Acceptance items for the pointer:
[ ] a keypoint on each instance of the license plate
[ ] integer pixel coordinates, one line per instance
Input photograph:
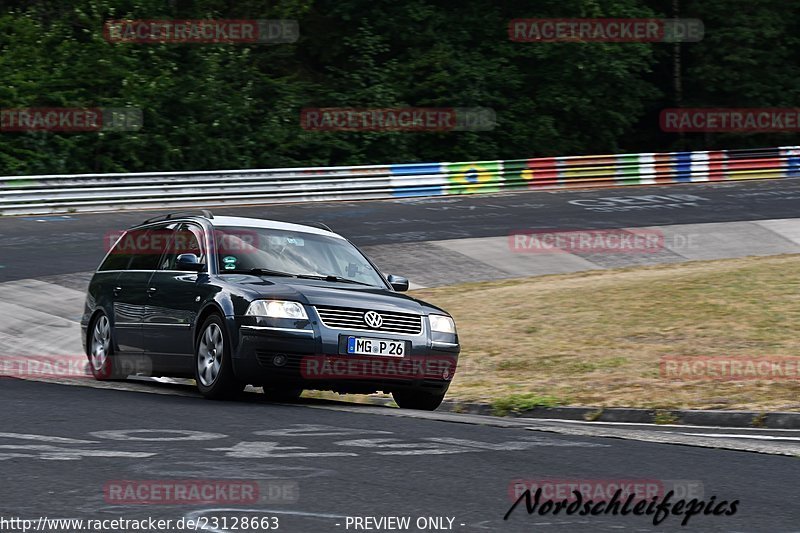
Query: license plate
(369, 346)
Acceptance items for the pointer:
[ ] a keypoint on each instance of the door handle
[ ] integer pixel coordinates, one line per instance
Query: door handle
(117, 290)
(151, 291)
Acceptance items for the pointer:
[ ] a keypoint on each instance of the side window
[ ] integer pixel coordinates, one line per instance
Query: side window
(186, 239)
(149, 246)
(120, 255)
(168, 258)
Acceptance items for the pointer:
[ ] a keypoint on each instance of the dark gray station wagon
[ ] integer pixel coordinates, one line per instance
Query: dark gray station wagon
(234, 301)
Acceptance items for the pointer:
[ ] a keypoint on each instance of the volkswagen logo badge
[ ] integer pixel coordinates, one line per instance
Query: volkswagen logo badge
(373, 319)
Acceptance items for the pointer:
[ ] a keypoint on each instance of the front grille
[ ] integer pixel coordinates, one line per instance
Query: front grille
(345, 318)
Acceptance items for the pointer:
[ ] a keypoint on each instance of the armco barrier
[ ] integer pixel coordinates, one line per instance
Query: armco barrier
(100, 192)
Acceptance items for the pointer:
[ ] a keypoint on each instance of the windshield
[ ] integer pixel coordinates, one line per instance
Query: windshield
(292, 252)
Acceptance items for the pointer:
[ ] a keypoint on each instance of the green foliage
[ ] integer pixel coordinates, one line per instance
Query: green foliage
(517, 403)
(238, 105)
(759, 420)
(593, 416)
(665, 418)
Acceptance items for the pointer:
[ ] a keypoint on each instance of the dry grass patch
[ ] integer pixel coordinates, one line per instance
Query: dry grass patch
(596, 338)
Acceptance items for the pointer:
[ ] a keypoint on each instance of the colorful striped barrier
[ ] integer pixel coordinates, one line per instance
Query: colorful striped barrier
(98, 192)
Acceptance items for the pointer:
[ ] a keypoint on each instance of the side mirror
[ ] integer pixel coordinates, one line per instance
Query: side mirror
(398, 283)
(189, 262)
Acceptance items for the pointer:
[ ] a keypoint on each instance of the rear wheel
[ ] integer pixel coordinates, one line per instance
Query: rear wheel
(213, 366)
(420, 400)
(101, 352)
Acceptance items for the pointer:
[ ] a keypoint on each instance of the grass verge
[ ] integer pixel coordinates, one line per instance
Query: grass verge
(596, 338)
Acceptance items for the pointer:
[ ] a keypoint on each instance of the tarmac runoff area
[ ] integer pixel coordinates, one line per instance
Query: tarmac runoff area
(531, 253)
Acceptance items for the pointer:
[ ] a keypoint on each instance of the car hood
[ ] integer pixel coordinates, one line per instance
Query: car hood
(330, 293)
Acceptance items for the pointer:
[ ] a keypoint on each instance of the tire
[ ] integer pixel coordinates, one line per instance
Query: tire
(415, 399)
(102, 361)
(213, 369)
(277, 394)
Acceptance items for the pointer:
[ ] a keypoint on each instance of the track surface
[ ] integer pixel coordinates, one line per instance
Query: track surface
(50, 245)
(352, 462)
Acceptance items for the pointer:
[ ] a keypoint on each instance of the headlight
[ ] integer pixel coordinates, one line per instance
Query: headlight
(442, 324)
(277, 309)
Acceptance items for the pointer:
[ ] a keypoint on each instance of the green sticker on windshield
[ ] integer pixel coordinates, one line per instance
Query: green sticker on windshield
(229, 259)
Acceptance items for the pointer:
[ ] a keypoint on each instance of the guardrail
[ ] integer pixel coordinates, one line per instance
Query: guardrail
(102, 192)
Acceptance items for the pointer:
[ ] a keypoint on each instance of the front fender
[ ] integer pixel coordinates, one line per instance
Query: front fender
(221, 303)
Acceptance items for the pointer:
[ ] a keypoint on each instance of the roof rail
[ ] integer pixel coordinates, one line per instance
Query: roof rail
(320, 225)
(180, 214)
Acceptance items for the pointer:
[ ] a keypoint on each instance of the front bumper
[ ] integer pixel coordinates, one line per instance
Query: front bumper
(309, 355)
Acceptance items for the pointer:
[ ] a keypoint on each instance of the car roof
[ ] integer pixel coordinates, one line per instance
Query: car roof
(244, 222)
(241, 222)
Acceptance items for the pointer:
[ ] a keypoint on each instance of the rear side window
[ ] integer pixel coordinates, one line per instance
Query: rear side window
(118, 258)
(148, 247)
(138, 250)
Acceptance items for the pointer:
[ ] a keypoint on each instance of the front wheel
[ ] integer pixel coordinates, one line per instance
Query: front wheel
(213, 366)
(420, 400)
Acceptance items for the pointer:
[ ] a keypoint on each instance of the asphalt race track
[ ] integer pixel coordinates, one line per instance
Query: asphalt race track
(318, 465)
(38, 246)
(332, 463)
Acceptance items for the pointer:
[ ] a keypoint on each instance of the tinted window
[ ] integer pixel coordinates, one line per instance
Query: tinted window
(118, 258)
(147, 247)
(186, 239)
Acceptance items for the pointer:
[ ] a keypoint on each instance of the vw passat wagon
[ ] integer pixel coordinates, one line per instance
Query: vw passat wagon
(234, 301)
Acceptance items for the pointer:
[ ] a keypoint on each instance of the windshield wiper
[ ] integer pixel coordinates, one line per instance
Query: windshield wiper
(268, 272)
(259, 272)
(331, 277)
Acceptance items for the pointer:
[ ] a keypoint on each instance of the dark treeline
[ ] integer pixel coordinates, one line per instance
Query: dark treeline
(225, 106)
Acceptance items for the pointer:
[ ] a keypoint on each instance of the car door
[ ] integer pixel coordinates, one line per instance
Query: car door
(173, 301)
(130, 289)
